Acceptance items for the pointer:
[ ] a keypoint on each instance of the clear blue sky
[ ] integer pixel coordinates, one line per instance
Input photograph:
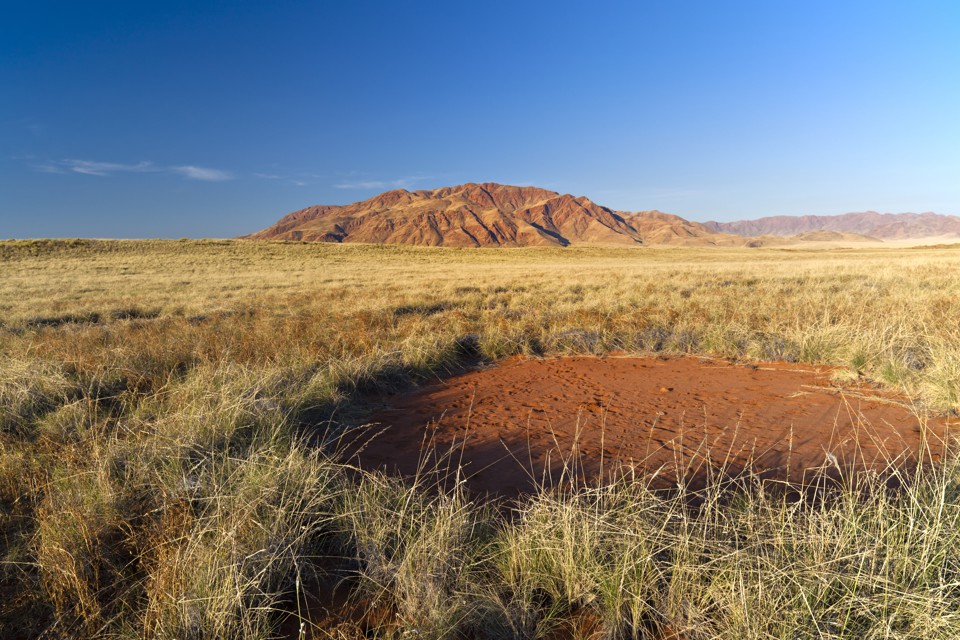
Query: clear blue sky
(170, 119)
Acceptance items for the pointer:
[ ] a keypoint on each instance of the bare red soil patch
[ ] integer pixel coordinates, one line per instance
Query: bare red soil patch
(519, 423)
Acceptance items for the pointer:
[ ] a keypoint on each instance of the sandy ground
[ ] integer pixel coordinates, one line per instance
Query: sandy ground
(524, 421)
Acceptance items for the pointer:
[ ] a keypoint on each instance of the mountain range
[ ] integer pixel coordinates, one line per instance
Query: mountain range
(495, 215)
(883, 226)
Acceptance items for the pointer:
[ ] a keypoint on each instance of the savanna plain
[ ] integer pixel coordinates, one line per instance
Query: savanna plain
(172, 419)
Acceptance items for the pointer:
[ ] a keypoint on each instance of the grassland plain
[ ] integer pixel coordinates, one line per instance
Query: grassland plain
(168, 411)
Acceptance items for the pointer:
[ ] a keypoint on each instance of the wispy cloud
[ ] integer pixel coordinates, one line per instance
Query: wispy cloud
(93, 168)
(103, 169)
(202, 173)
(47, 167)
(299, 179)
(90, 167)
(399, 183)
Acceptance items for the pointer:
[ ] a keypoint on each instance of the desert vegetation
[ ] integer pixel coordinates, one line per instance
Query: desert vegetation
(170, 419)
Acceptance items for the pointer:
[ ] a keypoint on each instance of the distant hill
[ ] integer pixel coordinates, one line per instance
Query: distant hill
(489, 215)
(884, 226)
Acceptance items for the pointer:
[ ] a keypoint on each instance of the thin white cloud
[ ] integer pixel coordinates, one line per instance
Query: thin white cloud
(202, 173)
(369, 184)
(298, 179)
(399, 183)
(47, 167)
(104, 169)
(93, 168)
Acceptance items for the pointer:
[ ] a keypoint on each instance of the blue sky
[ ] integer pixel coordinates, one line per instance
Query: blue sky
(212, 119)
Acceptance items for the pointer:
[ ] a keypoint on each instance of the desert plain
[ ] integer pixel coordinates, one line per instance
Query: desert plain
(239, 438)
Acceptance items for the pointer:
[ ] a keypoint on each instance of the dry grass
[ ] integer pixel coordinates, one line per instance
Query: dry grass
(167, 411)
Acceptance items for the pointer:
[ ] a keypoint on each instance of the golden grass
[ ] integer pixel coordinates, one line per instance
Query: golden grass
(166, 409)
(888, 314)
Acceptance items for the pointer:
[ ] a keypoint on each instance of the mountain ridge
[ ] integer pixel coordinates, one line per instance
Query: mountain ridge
(883, 226)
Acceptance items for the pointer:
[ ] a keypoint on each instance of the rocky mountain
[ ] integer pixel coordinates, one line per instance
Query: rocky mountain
(883, 226)
(489, 215)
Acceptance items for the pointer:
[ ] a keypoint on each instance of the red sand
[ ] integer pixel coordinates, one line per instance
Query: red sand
(514, 424)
